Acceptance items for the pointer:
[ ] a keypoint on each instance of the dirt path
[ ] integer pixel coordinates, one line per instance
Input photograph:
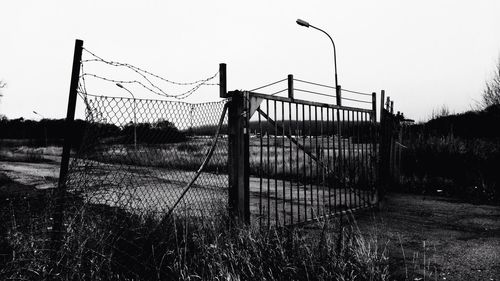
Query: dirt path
(39, 175)
(441, 238)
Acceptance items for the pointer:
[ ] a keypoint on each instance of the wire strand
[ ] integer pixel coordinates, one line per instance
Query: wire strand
(316, 93)
(270, 84)
(362, 101)
(316, 84)
(355, 92)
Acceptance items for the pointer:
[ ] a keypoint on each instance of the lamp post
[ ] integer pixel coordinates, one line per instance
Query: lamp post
(135, 120)
(44, 127)
(306, 24)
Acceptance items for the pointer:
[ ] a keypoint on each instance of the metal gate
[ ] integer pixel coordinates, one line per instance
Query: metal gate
(293, 161)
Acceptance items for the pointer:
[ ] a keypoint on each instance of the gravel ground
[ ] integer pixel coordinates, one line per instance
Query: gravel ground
(437, 238)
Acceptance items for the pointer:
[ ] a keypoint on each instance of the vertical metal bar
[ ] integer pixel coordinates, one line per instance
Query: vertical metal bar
(359, 157)
(290, 86)
(239, 156)
(349, 156)
(297, 172)
(261, 165)
(330, 169)
(334, 160)
(222, 81)
(382, 147)
(291, 160)
(268, 168)
(283, 158)
(323, 168)
(276, 164)
(311, 163)
(318, 156)
(366, 162)
(304, 175)
(344, 164)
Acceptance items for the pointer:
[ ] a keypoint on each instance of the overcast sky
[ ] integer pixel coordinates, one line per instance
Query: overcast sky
(423, 53)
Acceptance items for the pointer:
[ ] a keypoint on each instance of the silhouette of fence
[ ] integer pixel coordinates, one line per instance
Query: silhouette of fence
(260, 157)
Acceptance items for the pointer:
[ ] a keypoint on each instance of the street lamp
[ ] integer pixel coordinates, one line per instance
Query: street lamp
(44, 127)
(135, 119)
(306, 24)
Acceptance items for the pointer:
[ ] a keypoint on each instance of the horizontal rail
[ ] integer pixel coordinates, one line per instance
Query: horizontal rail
(305, 102)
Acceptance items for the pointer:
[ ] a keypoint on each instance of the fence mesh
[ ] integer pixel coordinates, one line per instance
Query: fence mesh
(140, 155)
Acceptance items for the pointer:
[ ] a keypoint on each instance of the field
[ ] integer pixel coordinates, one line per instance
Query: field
(434, 237)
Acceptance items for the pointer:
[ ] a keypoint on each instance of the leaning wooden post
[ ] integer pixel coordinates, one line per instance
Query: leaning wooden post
(222, 81)
(63, 172)
(290, 86)
(238, 158)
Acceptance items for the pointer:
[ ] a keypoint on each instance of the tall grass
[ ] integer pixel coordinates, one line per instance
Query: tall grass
(104, 243)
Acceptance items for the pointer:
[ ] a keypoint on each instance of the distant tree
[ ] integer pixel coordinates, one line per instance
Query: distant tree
(442, 111)
(491, 94)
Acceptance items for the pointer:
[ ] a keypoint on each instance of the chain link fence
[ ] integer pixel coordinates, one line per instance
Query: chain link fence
(142, 168)
(140, 155)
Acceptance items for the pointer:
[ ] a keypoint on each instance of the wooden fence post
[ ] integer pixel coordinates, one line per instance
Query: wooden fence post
(238, 156)
(63, 172)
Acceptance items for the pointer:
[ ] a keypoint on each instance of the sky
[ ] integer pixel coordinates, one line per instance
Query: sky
(424, 54)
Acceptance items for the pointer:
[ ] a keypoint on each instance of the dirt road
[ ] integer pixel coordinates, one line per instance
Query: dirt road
(438, 237)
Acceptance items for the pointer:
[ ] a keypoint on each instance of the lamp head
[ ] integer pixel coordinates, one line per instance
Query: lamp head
(119, 85)
(302, 23)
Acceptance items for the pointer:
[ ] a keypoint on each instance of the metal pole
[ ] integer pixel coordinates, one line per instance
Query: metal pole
(222, 80)
(290, 86)
(334, 53)
(306, 24)
(63, 173)
(238, 140)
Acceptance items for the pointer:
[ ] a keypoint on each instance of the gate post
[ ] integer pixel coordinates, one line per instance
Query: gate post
(222, 81)
(382, 148)
(238, 156)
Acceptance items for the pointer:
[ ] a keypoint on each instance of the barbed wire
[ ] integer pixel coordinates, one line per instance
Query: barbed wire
(153, 88)
(138, 69)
